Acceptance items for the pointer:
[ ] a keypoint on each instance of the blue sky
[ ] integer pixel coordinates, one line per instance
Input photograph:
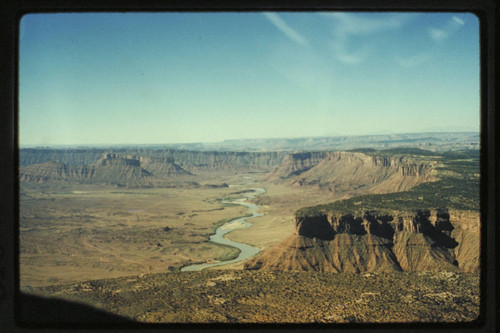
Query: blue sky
(140, 78)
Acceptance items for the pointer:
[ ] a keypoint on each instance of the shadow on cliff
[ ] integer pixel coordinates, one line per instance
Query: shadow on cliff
(41, 311)
(440, 232)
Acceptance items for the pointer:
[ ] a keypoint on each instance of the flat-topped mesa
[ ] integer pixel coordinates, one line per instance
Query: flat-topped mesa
(418, 240)
(347, 170)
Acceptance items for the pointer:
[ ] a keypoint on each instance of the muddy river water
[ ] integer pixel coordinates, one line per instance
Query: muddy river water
(247, 251)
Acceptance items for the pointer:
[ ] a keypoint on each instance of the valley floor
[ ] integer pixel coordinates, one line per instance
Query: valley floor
(71, 233)
(120, 249)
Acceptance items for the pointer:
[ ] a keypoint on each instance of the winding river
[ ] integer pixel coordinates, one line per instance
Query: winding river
(247, 251)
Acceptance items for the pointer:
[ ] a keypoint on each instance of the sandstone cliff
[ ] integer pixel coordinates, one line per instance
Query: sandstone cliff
(379, 174)
(433, 240)
(111, 168)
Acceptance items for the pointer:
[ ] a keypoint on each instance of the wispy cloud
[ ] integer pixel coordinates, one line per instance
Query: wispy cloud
(285, 28)
(414, 60)
(452, 26)
(349, 24)
(458, 20)
(354, 24)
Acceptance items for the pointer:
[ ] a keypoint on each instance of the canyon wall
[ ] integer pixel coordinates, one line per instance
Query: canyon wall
(432, 240)
(189, 160)
(342, 171)
(111, 168)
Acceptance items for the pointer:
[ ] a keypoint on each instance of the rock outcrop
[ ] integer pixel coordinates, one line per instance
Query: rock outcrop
(111, 168)
(340, 171)
(437, 240)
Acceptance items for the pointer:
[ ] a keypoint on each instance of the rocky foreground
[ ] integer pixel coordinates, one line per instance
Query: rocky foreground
(223, 296)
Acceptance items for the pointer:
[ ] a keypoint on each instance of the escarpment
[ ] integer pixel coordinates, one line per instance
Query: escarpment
(111, 168)
(340, 171)
(191, 161)
(422, 240)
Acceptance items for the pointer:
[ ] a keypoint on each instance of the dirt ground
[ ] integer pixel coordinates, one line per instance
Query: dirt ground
(71, 233)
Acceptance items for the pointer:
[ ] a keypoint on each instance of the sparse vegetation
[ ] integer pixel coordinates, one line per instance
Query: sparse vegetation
(281, 297)
(89, 243)
(459, 190)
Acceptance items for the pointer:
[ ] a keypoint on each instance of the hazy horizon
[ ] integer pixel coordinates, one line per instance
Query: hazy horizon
(180, 78)
(248, 141)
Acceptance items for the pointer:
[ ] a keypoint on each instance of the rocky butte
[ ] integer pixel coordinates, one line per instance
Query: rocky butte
(446, 240)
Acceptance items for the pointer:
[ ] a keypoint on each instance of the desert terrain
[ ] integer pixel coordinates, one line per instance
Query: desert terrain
(347, 236)
(75, 232)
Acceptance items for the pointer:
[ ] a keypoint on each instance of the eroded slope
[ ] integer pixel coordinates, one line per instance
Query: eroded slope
(341, 171)
(110, 168)
(419, 241)
(433, 226)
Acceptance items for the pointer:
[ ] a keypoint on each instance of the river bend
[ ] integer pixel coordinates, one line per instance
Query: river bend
(247, 251)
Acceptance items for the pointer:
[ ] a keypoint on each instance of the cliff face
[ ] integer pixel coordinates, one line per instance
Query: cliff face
(379, 174)
(401, 241)
(110, 168)
(193, 161)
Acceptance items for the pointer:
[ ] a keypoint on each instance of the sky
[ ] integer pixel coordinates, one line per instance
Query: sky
(155, 78)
